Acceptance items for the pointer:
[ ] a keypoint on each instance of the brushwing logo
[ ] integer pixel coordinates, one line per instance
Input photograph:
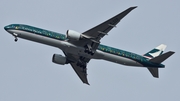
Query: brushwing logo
(156, 51)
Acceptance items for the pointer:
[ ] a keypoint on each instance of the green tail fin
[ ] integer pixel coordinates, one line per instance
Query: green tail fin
(156, 51)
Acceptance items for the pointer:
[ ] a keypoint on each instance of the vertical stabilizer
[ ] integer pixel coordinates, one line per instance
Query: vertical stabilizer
(156, 51)
(156, 56)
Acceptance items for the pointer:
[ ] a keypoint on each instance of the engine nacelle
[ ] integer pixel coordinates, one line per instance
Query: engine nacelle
(73, 35)
(59, 59)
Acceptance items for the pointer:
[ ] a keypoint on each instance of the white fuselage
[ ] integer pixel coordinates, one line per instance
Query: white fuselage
(73, 49)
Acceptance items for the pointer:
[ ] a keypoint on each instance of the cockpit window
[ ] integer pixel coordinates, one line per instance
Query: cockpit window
(12, 26)
(16, 27)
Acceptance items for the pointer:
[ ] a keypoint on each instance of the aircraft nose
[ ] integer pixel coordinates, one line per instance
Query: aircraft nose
(6, 28)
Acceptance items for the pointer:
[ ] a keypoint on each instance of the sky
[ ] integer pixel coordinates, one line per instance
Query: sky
(28, 74)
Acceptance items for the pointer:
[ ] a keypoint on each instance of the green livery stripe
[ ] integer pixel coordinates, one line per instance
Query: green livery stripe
(39, 31)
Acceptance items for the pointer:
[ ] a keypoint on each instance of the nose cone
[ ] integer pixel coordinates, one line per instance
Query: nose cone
(6, 28)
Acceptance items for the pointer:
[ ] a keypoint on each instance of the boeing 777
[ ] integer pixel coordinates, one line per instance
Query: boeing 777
(80, 48)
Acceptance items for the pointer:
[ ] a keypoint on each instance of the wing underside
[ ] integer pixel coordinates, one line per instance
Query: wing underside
(80, 71)
(102, 29)
(94, 35)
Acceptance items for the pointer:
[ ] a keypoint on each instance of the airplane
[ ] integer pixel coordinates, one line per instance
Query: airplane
(80, 48)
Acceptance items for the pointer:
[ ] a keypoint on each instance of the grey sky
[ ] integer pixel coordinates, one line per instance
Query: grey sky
(27, 73)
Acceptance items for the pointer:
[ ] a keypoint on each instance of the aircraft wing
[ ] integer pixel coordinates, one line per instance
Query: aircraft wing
(99, 31)
(81, 72)
(93, 35)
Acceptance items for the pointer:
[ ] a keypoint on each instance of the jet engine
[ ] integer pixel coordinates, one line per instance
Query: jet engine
(73, 35)
(59, 59)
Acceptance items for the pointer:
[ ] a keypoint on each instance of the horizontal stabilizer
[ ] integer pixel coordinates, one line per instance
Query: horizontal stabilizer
(161, 58)
(154, 72)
